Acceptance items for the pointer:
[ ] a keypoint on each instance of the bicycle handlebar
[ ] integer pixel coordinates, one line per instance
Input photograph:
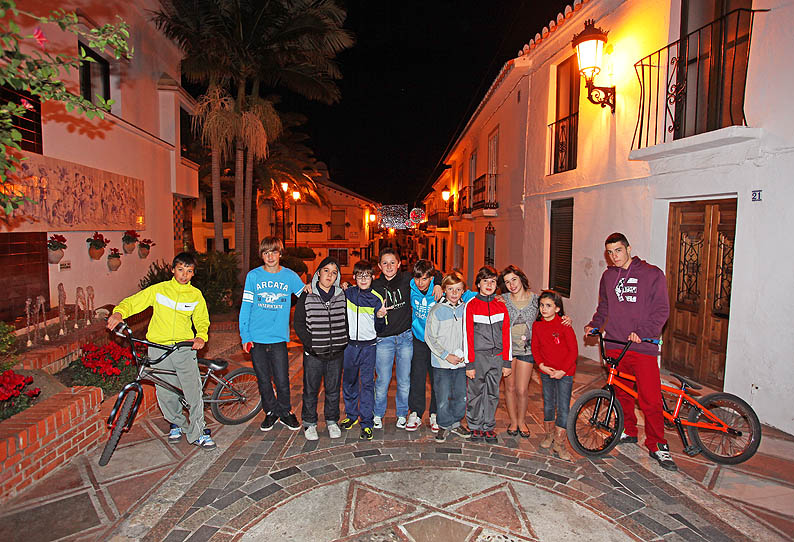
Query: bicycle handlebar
(123, 330)
(626, 345)
(596, 331)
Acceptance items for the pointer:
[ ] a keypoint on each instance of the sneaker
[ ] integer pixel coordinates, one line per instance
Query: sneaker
(662, 455)
(290, 421)
(433, 424)
(310, 432)
(461, 431)
(400, 422)
(413, 422)
(377, 422)
(270, 421)
(627, 439)
(490, 437)
(347, 423)
(366, 433)
(175, 434)
(205, 441)
(441, 435)
(333, 430)
(476, 435)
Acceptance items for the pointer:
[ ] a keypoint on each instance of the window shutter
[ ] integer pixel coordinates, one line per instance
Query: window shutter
(561, 246)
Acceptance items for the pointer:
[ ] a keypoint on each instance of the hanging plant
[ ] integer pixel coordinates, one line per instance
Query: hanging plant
(114, 259)
(143, 247)
(129, 240)
(56, 244)
(96, 245)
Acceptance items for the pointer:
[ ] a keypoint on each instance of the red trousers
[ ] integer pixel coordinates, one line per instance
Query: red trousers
(649, 391)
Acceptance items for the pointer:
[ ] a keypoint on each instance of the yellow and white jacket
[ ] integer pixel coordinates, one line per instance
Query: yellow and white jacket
(176, 307)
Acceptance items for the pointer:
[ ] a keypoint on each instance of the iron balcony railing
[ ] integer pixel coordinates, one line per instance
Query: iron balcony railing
(438, 219)
(696, 84)
(563, 143)
(484, 192)
(464, 202)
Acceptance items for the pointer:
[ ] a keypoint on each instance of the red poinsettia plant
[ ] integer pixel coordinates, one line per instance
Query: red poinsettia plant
(130, 236)
(114, 253)
(56, 241)
(98, 240)
(109, 367)
(15, 396)
(146, 243)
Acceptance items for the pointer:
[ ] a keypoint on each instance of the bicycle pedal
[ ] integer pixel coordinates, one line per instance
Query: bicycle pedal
(692, 450)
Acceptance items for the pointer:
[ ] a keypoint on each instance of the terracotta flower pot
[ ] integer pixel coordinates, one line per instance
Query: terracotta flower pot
(55, 256)
(114, 263)
(129, 247)
(95, 253)
(143, 252)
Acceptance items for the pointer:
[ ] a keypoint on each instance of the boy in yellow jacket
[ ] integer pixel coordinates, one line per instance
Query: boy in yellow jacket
(178, 307)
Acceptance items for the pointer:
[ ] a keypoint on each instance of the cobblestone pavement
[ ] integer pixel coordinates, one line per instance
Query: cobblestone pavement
(401, 486)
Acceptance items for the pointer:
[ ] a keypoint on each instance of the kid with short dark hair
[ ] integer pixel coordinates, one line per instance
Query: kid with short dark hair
(177, 308)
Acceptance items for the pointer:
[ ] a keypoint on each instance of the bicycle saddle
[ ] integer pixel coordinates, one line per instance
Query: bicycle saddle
(685, 380)
(214, 364)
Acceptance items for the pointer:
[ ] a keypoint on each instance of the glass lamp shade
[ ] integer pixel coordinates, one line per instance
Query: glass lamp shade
(296, 195)
(589, 46)
(284, 186)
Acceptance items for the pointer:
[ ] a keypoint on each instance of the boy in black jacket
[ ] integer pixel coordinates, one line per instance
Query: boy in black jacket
(321, 325)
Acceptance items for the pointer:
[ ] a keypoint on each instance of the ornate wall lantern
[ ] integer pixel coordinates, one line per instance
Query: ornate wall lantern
(589, 46)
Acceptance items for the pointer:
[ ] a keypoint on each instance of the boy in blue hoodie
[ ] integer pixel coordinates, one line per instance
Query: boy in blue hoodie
(365, 317)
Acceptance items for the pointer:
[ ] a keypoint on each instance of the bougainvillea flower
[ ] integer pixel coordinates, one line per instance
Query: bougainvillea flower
(39, 36)
(27, 105)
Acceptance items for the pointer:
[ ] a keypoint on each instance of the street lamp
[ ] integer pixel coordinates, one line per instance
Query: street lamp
(296, 196)
(445, 193)
(284, 187)
(589, 45)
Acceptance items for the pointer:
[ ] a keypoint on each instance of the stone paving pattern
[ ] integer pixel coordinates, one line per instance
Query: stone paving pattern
(400, 486)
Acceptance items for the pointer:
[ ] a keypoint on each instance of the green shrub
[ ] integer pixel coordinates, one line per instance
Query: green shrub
(296, 264)
(8, 346)
(159, 271)
(216, 277)
(304, 253)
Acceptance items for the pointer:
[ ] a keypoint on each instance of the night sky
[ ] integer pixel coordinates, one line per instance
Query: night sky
(415, 75)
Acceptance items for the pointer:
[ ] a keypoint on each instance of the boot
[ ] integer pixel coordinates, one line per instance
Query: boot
(559, 448)
(549, 439)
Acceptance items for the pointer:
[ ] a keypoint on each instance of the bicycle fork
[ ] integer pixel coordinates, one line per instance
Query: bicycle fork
(129, 388)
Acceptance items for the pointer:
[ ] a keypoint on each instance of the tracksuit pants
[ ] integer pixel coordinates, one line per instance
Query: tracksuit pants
(184, 363)
(483, 391)
(358, 381)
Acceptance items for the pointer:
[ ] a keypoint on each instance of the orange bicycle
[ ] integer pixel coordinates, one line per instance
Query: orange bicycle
(721, 425)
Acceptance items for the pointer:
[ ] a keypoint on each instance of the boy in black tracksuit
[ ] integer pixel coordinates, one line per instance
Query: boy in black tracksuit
(320, 322)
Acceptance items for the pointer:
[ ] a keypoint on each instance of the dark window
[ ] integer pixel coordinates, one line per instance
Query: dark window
(211, 244)
(337, 225)
(565, 128)
(29, 124)
(339, 254)
(23, 259)
(561, 246)
(209, 215)
(190, 145)
(94, 76)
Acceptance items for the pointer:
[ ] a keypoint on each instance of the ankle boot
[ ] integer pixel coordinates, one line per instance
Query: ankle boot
(559, 447)
(549, 439)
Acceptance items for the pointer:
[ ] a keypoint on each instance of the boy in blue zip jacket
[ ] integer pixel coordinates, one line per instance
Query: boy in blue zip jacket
(365, 317)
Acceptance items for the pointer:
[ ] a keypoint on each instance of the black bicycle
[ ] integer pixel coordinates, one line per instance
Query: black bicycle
(234, 400)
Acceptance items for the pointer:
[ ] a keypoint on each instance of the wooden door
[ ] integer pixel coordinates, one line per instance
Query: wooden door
(699, 276)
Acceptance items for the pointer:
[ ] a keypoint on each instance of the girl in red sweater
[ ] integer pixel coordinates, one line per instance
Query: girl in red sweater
(555, 351)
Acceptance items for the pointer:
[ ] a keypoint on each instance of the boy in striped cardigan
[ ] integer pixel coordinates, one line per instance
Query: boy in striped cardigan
(321, 325)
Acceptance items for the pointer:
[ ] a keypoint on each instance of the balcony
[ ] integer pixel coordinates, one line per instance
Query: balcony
(464, 202)
(696, 84)
(484, 194)
(563, 138)
(438, 219)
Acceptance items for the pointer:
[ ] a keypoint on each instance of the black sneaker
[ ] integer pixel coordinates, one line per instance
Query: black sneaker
(366, 433)
(490, 437)
(441, 435)
(626, 439)
(347, 423)
(461, 431)
(476, 435)
(270, 421)
(290, 421)
(663, 457)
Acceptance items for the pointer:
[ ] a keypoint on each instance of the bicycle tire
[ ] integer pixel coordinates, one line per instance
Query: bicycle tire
(115, 433)
(592, 430)
(737, 414)
(244, 382)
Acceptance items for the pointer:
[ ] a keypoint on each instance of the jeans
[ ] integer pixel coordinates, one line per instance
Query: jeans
(329, 373)
(556, 396)
(271, 363)
(420, 369)
(450, 387)
(358, 382)
(402, 347)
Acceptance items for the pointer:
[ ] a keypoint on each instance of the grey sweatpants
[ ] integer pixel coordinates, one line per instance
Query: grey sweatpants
(183, 361)
(483, 392)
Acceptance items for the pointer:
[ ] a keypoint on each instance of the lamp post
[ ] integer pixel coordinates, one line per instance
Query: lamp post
(284, 187)
(296, 196)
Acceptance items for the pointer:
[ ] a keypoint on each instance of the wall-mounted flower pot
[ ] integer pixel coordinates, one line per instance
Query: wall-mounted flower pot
(55, 256)
(143, 252)
(129, 247)
(114, 263)
(95, 253)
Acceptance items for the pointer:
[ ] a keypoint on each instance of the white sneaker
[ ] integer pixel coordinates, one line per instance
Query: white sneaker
(310, 432)
(433, 424)
(413, 422)
(401, 422)
(377, 422)
(334, 431)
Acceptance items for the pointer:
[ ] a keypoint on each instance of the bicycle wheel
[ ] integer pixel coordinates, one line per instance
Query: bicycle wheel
(593, 429)
(736, 414)
(115, 433)
(236, 400)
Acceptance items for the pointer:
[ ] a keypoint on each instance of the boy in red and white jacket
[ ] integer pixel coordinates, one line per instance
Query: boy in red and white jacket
(488, 353)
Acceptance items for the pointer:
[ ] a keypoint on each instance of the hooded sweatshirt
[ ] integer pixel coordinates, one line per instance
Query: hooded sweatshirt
(488, 329)
(422, 302)
(322, 325)
(633, 300)
(444, 333)
(361, 308)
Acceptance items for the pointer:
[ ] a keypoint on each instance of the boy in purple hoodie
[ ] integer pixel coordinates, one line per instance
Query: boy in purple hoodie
(633, 305)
